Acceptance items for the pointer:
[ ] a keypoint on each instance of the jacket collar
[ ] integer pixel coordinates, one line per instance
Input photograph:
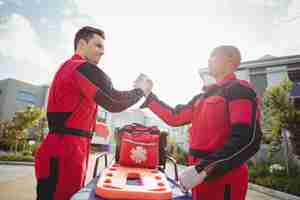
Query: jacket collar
(227, 78)
(77, 57)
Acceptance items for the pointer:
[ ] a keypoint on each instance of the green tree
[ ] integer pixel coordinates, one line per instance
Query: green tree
(176, 151)
(279, 113)
(5, 127)
(14, 133)
(40, 129)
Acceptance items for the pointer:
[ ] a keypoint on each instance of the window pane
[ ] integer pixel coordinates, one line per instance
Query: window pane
(260, 82)
(275, 75)
(26, 97)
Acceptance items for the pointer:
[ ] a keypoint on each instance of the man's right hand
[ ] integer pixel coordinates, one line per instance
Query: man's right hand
(189, 178)
(145, 83)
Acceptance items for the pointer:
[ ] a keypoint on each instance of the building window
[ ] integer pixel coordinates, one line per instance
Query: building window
(260, 82)
(275, 75)
(26, 97)
(258, 78)
(0, 91)
(243, 74)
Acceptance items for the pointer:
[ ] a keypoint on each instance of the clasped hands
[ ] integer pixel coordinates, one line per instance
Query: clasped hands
(189, 177)
(144, 83)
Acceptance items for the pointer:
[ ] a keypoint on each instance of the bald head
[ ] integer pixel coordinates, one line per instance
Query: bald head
(231, 52)
(224, 60)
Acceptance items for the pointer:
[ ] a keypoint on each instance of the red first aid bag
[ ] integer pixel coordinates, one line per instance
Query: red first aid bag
(139, 146)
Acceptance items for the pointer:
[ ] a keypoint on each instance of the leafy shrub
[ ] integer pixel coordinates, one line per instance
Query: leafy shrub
(278, 181)
(294, 185)
(34, 147)
(27, 153)
(181, 156)
(173, 149)
(279, 113)
(27, 158)
(258, 171)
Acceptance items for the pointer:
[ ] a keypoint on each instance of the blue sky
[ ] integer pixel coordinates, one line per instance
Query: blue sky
(168, 40)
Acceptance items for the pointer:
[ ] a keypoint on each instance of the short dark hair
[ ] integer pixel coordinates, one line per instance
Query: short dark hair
(86, 33)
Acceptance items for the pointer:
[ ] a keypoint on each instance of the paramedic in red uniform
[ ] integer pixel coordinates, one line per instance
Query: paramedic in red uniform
(224, 132)
(78, 87)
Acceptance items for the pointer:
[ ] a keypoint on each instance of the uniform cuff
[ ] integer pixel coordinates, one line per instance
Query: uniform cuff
(139, 92)
(150, 98)
(202, 165)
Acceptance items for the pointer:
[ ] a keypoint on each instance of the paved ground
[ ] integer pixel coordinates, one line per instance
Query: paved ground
(18, 183)
(251, 195)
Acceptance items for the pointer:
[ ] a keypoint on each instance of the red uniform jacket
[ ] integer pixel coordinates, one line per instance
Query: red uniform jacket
(224, 130)
(61, 161)
(77, 89)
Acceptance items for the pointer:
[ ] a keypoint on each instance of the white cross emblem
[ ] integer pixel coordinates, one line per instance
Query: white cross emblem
(138, 154)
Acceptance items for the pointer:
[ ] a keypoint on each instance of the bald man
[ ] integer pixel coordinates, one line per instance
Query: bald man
(224, 133)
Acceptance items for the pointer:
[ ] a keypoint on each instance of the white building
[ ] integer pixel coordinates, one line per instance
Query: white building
(266, 71)
(117, 120)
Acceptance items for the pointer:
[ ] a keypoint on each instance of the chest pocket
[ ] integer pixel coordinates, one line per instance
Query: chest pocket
(214, 112)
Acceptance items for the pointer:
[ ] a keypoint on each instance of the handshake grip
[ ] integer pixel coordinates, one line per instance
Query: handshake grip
(144, 83)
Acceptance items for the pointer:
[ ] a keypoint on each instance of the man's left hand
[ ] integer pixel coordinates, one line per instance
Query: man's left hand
(190, 178)
(145, 83)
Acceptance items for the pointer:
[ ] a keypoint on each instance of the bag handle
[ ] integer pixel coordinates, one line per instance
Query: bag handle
(136, 128)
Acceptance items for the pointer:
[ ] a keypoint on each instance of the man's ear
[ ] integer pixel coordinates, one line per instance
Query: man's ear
(234, 64)
(81, 43)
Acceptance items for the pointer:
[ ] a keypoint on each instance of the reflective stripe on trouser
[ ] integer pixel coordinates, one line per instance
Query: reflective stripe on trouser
(46, 186)
(60, 167)
(231, 186)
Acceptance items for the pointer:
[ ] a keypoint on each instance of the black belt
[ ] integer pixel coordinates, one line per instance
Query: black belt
(70, 131)
(198, 153)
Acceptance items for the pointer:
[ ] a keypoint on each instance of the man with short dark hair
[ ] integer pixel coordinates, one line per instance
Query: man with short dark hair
(77, 88)
(224, 131)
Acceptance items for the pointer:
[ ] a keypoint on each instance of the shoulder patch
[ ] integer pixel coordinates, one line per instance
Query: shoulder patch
(240, 90)
(247, 84)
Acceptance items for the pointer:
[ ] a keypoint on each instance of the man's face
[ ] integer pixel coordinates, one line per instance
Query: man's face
(94, 49)
(218, 63)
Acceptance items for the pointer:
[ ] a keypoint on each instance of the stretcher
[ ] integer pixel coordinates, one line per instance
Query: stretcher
(89, 191)
(118, 181)
(125, 178)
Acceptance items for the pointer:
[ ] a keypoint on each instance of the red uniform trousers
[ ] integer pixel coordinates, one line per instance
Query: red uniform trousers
(232, 186)
(61, 164)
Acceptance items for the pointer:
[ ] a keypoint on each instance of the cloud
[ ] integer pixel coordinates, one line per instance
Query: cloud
(20, 43)
(285, 34)
(293, 10)
(151, 8)
(265, 3)
(38, 35)
(168, 40)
